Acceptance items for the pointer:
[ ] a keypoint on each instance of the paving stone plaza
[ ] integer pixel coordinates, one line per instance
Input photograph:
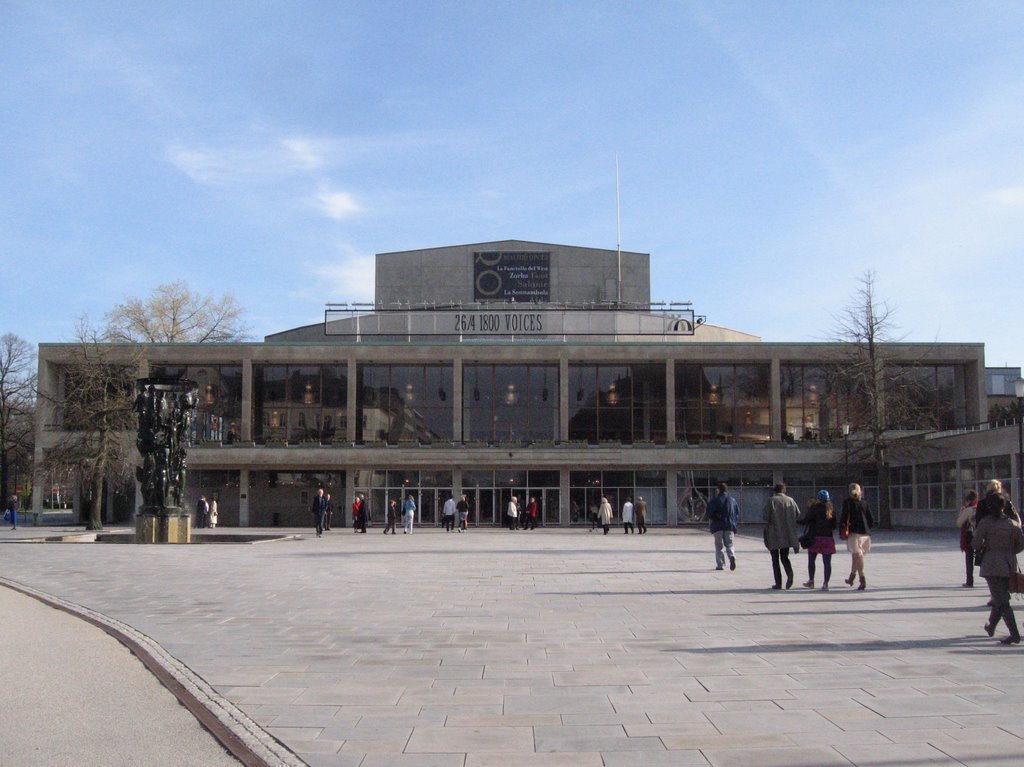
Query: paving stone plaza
(565, 647)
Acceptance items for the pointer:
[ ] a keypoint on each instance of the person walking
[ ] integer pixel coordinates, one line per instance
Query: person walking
(448, 514)
(357, 512)
(965, 521)
(318, 509)
(408, 514)
(530, 515)
(994, 503)
(640, 510)
(12, 511)
(462, 507)
(821, 521)
(202, 512)
(780, 535)
(329, 512)
(604, 515)
(213, 512)
(724, 516)
(513, 513)
(856, 521)
(390, 514)
(998, 540)
(627, 517)
(364, 512)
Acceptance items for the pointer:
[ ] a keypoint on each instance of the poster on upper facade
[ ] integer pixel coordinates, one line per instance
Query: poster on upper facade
(512, 276)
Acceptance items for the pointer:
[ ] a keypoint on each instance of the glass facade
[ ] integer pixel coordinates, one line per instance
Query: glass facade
(299, 403)
(814, 403)
(219, 409)
(723, 403)
(509, 403)
(489, 493)
(284, 498)
(429, 490)
(927, 397)
(617, 403)
(586, 488)
(404, 403)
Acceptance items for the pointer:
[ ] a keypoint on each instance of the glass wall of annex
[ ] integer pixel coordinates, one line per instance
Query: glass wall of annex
(429, 491)
(489, 493)
(509, 403)
(617, 402)
(283, 498)
(219, 407)
(587, 488)
(398, 404)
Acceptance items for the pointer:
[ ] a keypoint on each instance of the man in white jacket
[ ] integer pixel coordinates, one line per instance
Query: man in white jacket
(627, 516)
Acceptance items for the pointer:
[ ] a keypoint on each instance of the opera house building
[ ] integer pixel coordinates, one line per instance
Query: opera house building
(537, 370)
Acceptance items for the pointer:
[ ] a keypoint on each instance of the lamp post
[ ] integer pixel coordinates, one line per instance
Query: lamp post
(1018, 389)
(846, 449)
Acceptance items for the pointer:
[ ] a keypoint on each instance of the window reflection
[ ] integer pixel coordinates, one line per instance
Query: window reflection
(404, 403)
(617, 403)
(299, 403)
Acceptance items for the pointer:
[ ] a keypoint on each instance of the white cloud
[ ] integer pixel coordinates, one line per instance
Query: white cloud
(1010, 196)
(336, 205)
(243, 164)
(351, 278)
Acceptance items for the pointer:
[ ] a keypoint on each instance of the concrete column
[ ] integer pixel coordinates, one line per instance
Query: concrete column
(350, 401)
(243, 497)
(671, 498)
(563, 400)
(563, 504)
(350, 495)
(456, 483)
(670, 400)
(457, 400)
(247, 404)
(776, 400)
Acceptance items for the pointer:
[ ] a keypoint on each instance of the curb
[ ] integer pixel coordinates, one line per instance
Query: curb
(234, 730)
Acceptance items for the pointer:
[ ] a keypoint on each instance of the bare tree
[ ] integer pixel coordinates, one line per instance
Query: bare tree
(173, 313)
(94, 409)
(882, 393)
(17, 406)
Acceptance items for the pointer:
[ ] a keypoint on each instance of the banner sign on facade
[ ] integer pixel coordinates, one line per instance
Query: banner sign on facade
(511, 276)
(510, 323)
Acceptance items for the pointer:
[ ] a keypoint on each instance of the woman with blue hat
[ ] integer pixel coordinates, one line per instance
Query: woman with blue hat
(821, 523)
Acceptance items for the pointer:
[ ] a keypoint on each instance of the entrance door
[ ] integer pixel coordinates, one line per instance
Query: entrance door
(428, 507)
(485, 510)
(549, 512)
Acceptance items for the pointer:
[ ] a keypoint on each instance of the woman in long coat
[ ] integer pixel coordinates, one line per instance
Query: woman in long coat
(780, 535)
(998, 540)
(604, 515)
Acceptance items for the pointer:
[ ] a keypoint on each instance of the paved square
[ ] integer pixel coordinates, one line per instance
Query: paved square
(564, 647)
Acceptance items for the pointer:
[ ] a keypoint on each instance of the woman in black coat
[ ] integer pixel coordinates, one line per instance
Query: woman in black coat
(856, 518)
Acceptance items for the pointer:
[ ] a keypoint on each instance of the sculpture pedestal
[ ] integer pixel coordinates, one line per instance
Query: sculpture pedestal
(164, 526)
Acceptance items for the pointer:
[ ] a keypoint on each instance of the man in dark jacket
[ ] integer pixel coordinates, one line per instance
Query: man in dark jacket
(202, 512)
(319, 509)
(724, 516)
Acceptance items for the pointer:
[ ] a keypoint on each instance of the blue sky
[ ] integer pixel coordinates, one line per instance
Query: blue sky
(770, 153)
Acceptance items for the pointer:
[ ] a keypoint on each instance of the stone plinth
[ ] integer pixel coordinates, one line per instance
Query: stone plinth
(163, 528)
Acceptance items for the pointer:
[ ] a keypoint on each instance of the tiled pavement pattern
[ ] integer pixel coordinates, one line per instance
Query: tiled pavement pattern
(550, 648)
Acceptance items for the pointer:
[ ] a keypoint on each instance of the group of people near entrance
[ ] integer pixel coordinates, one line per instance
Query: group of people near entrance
(322, 510)
(634, 517)
(521, 519)
(782, 521)
(991, 538)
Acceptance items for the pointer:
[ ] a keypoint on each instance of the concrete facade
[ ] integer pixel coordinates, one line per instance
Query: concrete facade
(445, 275)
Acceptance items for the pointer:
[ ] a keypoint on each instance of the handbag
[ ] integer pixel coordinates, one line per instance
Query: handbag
(1017, 582)
(806, 540)
(844, 531)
